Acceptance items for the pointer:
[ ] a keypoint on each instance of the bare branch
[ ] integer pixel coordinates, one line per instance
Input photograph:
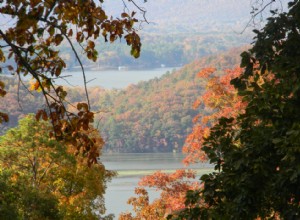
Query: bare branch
(82, 68)
(27, 66)
(141, 9)
(18, 92)
(251, 20)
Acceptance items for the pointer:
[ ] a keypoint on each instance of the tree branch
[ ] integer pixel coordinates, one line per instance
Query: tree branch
(256, 14)
(82, 68)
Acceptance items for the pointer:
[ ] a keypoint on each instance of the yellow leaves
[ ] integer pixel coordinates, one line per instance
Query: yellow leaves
(34, 85)
(2, 57)
(206, 132)
(14, 177)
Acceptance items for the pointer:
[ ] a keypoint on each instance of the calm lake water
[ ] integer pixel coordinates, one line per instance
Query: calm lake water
(110, 79)
(131, 167)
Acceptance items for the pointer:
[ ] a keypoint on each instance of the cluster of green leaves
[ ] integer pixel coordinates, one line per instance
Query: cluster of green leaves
(257, 154)
(42, 178)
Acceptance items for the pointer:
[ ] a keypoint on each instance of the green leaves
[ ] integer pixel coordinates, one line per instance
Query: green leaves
(38, 171)
(245, 59)
(257, 153)
(134, 40)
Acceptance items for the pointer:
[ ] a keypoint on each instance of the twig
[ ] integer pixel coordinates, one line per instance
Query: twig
(257, 13)
(19, 103)
(82, 68)
(27, 66)
(143, 10)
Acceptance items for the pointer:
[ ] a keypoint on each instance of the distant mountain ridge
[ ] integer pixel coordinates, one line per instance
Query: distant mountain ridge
(178, 32)
(201, 15)
(197, 15)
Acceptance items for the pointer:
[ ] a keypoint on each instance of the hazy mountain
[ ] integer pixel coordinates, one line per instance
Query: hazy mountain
(193, 15)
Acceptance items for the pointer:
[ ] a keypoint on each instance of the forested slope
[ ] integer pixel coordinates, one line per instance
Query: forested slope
(157, 115)
(148, 117)
(20, 100)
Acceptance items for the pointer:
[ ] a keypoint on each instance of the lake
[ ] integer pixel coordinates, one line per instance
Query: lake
(131, 167)
(110, 79)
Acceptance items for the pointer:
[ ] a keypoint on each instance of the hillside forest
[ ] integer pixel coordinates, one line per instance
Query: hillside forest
(230, 104)
(152, 116)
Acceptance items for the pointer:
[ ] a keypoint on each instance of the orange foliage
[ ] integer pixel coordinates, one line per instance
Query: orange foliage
(221, 100)
(173, 189)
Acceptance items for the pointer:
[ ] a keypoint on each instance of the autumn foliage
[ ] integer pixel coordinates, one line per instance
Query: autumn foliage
(172, 188)
(32, 43)
(36, 166)
(220, 99)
